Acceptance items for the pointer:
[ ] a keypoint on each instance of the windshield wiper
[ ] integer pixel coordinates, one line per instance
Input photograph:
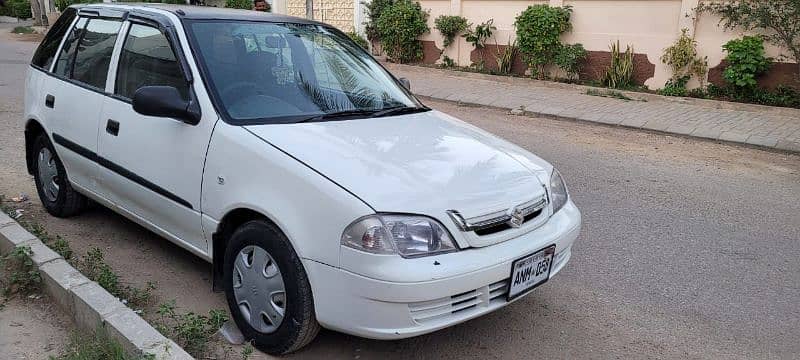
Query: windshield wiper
(398, 110)
(337, 114)
(395, 110)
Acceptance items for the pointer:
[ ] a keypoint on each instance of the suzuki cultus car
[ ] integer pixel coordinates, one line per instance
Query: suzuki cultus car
(323, 193)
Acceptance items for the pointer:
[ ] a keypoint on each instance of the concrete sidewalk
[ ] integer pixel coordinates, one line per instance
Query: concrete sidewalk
(771, 127)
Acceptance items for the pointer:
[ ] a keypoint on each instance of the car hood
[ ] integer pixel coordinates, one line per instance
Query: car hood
(423, 163)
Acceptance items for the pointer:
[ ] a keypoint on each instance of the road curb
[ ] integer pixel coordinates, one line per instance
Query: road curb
(89, 305)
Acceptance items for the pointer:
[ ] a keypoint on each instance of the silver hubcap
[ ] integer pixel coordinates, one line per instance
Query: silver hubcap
(258, 289)
(48, 174)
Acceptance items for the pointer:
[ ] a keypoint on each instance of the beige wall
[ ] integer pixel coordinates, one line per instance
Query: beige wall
(339, 13)
(649, 25)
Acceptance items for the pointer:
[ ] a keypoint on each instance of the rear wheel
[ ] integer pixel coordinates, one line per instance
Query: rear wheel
(57, 195)
(268, 290)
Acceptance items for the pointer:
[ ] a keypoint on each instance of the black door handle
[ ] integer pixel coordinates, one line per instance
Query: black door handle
(50, 101)
(112, 127)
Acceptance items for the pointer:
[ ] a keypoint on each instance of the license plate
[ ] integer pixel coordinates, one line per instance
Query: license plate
(530, 271)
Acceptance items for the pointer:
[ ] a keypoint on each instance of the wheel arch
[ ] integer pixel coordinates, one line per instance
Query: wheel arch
(33, 128)
(231, 221)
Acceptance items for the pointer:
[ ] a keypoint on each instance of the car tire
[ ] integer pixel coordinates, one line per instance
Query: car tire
(52, 184)
(298, 325)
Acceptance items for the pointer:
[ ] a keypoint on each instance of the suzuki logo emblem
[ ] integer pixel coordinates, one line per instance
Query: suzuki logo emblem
(517, 217)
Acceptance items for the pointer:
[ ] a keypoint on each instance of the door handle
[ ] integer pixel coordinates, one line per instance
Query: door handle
(112, 127)
(50, 101)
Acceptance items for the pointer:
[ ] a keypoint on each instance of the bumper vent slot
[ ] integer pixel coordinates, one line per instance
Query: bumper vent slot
(459, 305)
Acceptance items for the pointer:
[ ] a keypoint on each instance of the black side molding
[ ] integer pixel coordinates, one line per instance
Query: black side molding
(82, 151)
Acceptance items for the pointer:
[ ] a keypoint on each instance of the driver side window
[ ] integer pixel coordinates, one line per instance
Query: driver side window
(148, 60)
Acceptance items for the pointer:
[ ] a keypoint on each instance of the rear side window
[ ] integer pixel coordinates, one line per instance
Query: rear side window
(147, 60)
(67, 55)
(46, 52)
(94, 53)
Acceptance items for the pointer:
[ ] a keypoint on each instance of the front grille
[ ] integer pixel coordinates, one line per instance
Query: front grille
(459, 305)
(504, 226)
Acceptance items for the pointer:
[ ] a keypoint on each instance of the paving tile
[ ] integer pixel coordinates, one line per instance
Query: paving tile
(788, 145)
(734, 136)
(708, 133)
(762, 141)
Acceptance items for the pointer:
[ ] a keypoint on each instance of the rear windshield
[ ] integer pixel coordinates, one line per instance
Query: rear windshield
(279, 73)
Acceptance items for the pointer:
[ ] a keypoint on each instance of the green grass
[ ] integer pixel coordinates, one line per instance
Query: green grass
(23, 30)
(611, 94)
(22, 275)
(98, 346)
(191, 331)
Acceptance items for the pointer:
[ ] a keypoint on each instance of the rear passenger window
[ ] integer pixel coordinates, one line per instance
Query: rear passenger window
(67, 55)
(147, 60)
(94, 52)
(44, 55)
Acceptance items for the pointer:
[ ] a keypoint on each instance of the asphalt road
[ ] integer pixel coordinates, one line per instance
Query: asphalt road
(689, 248)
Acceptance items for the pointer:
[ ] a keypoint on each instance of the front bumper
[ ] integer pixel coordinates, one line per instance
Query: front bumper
(460, 286)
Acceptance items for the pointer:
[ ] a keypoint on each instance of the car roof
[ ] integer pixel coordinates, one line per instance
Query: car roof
(206, 12)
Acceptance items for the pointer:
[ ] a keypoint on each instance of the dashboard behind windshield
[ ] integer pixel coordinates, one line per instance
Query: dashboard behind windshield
(263, 72)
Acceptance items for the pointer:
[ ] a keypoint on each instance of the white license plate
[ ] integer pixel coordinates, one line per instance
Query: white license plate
(530, 271)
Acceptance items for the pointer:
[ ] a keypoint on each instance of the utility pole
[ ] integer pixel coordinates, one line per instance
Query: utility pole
(310, 9)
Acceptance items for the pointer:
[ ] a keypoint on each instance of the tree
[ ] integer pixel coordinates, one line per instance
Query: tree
(780, 19)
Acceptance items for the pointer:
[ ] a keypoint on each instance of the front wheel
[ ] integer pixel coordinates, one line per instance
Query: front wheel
(268, 290)
(57, 195)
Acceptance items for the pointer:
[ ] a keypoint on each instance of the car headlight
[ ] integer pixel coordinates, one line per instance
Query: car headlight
(406, 235)
(558, 191)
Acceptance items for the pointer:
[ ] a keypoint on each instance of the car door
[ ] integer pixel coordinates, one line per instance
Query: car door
(153, 165)
(75, 94)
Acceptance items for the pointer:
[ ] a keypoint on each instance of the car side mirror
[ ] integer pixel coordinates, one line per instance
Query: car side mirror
(406, 83)
(165, 101)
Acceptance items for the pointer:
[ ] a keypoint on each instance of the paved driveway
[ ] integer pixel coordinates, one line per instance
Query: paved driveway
(690, 248)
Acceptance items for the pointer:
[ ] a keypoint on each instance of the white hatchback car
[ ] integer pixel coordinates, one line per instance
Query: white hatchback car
(322, 192)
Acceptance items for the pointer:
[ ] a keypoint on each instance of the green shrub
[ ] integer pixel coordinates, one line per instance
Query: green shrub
(374, 10)
(776, 20)
(191, 331)
(448, 62)
(746, 61)
(675, 87)
(505, 59)
(239, 4)
(20, 9)
(539, 30)
(358, 39)
(450, 26)
(22, 30)
(619, 74)
(683, 60)
(5, 11)
(699, 93)
(478, 37)
(482, 32)
(399, 26)
(63, 4)
(570, 59)
(783, 96)
(94, 266)
(23, 276)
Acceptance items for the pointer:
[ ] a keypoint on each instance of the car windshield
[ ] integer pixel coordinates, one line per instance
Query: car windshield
(264, 73)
